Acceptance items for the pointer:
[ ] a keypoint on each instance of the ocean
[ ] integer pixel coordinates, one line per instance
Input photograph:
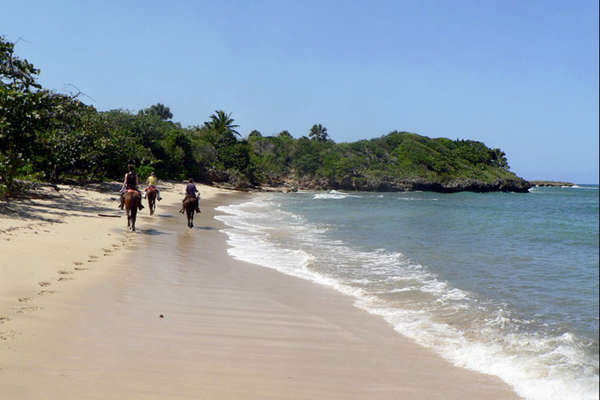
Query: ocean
(501, 283)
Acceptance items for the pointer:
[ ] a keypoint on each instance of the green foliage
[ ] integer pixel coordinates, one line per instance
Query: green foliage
(254, 133)
(30, 118)
(16, 73)
(318, 132)
(46, 135)
(160, 110)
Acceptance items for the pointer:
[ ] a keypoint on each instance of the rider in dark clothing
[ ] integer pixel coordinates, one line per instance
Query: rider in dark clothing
(130, 183)
(191, 190)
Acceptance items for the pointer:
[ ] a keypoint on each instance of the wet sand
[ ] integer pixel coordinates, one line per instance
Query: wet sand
(229, 330)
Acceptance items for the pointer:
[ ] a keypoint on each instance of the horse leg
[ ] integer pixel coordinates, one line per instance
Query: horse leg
(133, 215)
(190, 215)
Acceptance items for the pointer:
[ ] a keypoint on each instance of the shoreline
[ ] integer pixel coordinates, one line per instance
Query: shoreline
(230, 329)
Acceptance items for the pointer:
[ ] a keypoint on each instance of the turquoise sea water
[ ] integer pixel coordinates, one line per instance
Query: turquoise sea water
(502, 283)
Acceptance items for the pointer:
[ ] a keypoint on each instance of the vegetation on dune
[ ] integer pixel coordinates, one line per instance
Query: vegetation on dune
(56, 137)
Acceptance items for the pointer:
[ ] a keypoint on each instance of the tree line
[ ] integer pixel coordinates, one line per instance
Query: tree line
(56, 137)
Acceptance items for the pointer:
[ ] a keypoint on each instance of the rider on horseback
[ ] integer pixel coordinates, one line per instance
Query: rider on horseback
(191, 190)
(152, 181)
(131, 182)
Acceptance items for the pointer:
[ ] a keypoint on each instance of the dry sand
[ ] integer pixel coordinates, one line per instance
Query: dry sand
(229, 329)
(50, 236)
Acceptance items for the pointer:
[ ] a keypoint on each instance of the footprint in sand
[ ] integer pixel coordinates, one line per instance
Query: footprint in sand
(93, 256)
(80, 269)
(24, 299)
(62, 272)
(107, 250)
(44, 284)
(45, 292)
(77, 263)
(5, 335)
(62, 278)
(116, 245)
(23, 310)
(4, 319)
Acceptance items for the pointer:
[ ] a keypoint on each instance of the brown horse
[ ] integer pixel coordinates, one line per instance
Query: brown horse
(132, 199)
(189, 204)
(151, 193)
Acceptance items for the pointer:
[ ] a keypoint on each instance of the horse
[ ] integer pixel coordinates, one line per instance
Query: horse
(132, 199)
(151, 193)
(189, 204)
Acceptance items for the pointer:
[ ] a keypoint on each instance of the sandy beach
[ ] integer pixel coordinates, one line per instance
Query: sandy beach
(90, 311)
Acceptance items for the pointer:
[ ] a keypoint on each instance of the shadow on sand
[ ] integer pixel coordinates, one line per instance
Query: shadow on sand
(150, 232)
(204, 228)
(37, 205)
(165, 215)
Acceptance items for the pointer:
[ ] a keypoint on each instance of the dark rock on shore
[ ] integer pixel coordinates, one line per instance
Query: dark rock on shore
(402, 185)
(551, 183)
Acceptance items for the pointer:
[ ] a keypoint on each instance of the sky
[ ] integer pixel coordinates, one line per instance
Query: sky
(518, 75)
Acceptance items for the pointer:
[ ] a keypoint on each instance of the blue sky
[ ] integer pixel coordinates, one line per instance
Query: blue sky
(522, 76)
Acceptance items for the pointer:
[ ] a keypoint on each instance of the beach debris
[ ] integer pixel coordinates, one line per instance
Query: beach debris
(161, 316)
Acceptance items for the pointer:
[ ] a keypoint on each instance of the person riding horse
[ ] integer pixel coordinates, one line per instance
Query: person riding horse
(131, 182)
(191, 190)
(151, 182)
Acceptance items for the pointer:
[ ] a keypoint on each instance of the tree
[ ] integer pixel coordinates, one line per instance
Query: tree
(318, 132)
(163, 112)
(222, 122)
(221, 129)
(255, 133)
(15, 73)
(26, 111)
(498, 159)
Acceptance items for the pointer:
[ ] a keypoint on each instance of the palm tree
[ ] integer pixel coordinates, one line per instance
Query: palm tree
(318, 132)
(221, 122)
